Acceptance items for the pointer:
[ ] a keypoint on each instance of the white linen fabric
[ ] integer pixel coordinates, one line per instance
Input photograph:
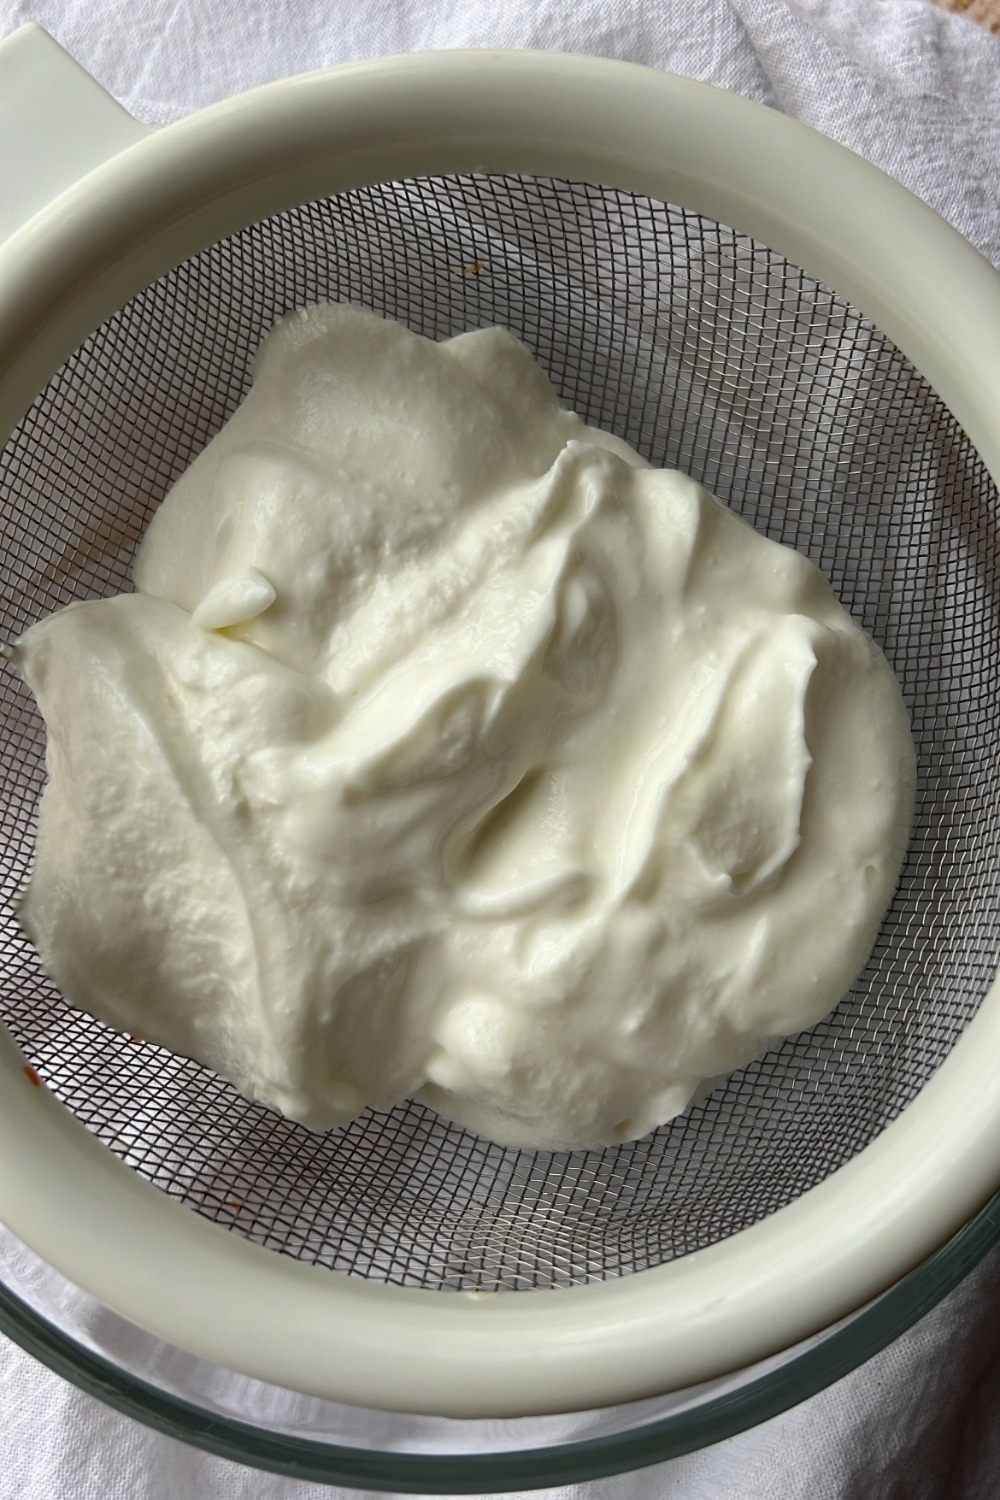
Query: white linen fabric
(915, 90)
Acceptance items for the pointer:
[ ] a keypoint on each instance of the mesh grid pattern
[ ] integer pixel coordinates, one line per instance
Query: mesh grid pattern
(707, 352)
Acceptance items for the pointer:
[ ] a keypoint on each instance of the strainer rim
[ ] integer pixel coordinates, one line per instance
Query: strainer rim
(582, 117)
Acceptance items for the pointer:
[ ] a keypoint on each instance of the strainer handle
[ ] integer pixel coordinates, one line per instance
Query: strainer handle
(56, 125)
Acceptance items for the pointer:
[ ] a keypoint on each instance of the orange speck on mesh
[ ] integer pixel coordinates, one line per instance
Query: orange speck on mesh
(32, 1076)
(231, 1203)
(134, 1036)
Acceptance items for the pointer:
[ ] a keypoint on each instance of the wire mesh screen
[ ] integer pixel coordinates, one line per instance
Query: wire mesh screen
(707, 352)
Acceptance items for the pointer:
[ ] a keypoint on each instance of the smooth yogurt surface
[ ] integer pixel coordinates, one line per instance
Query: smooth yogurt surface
(447, 750)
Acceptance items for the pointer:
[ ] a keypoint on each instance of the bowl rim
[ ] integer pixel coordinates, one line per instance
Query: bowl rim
(570, 1462)
(872, 1221)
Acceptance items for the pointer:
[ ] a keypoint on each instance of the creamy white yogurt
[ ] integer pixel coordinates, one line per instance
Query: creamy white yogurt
(449, 751)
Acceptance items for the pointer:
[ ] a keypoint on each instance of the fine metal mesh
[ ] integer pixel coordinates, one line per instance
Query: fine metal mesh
(709, 353)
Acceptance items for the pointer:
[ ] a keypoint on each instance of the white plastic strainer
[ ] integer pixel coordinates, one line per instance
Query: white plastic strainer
(401, 1262)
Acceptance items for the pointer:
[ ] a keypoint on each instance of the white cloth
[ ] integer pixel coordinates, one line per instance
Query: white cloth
(915, 90)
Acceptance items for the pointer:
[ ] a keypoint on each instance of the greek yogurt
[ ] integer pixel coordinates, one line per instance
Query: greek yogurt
(446, 750)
